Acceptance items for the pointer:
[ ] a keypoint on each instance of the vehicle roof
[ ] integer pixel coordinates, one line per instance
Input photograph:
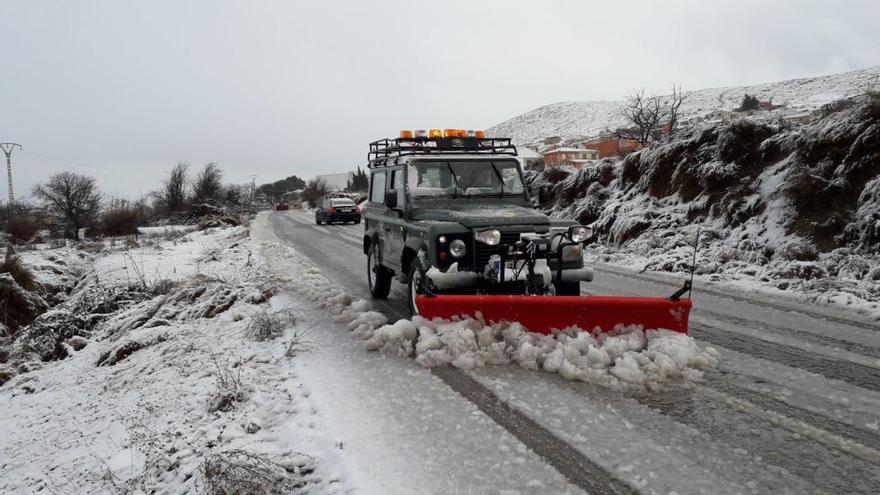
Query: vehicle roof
(403, 160)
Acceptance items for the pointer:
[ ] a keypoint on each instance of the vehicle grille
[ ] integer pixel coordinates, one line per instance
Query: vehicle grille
(482, 252)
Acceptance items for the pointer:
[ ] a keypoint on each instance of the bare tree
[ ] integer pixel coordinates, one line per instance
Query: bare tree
(646, 115)
(315, 190)
(74, 196)
(643, 114)
(673, 108)
(172, 197)
(208, 184)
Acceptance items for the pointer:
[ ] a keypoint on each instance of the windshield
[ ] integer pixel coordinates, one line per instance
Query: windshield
(464, 178)
(341, 202)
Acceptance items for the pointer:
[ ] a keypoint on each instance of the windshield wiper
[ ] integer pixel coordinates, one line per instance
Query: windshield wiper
(500, 179)
(454, 179)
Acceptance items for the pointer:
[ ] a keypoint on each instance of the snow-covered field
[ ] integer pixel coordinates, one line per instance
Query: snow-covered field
(185, 384)
(588, 118)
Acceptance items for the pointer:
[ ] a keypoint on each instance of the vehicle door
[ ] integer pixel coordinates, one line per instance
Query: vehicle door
(395, 225)
(374, 212)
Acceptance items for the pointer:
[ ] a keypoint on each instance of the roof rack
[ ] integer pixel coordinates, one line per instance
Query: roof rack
(383, 149)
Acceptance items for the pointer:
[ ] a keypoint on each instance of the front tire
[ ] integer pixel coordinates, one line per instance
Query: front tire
(378, 277)
(567, 288)
(412, 278)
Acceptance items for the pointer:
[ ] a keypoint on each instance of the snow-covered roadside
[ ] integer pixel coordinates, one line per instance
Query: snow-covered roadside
(175, 389)
(780, 280)
(630, 358)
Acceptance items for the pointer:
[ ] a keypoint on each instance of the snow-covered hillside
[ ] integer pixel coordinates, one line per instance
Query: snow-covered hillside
(795, 209)
(586, 118)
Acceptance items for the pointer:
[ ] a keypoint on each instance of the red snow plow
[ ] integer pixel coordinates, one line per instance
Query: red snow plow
(544, 313)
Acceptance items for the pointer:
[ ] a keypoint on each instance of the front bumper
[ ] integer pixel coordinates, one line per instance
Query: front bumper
(345, 217)
(513, 280)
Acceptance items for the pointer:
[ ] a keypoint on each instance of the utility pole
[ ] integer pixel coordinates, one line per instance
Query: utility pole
(253, 189)
(7, 148)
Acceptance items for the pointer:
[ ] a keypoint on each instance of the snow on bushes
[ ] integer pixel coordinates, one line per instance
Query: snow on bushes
(627, 359)
(786, 206)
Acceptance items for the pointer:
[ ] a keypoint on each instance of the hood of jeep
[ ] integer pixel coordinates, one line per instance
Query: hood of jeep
(482, 215)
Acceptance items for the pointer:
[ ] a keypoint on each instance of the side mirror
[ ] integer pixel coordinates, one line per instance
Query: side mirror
(391, 198)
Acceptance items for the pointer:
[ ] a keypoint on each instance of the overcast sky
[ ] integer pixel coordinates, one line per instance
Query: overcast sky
(122, 90)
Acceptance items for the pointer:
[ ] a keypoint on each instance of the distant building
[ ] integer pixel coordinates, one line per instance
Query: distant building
(568, 156)
(801, 118)
(609, 144)
(528, 157)
(336, 182)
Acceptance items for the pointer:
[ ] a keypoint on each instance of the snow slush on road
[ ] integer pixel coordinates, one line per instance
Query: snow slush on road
(626, 358)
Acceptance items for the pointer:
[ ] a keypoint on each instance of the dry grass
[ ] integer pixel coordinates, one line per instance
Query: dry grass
(298, 343)
(229, 390)
(244, 472)
(266, 325)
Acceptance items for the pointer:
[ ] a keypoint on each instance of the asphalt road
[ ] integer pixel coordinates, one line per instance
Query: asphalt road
(793, 408)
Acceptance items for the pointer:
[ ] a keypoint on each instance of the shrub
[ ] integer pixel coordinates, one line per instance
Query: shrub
(22, 228)
(555, 174)
(20, 273)
(120, 221)
(749, 102)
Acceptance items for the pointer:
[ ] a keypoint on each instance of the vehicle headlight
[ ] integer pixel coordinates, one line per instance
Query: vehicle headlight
(579, 233)
(457, 248)
(491, 237)
(442, 239)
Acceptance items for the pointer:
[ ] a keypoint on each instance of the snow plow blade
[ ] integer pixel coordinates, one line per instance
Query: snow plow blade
(543, 314)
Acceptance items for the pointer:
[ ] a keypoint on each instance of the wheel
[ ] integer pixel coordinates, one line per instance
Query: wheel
(378, 277)
(567, 288)
(357, 222)
(412, 279)
(317, 222)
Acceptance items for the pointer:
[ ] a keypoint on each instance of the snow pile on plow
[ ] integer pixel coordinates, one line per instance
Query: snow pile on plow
(626, 358)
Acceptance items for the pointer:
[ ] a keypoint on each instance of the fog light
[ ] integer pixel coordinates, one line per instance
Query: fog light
(457, 248)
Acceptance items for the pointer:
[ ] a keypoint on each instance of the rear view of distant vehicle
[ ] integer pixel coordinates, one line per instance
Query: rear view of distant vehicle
(333, 210)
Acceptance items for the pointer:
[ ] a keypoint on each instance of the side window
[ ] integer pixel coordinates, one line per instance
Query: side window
(377, 188)
(397, 184)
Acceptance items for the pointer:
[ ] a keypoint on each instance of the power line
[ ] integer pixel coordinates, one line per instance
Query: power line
(7, 148)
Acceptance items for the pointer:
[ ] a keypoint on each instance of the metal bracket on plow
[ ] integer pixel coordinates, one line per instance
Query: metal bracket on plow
(689, 284)
(425, 285)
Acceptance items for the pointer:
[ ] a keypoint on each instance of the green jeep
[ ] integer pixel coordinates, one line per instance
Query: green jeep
(454, 211)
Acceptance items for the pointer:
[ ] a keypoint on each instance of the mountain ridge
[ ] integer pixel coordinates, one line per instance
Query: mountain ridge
(587, 118)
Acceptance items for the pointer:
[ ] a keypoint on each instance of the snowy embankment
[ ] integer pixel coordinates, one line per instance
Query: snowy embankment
(628, 359)
(168, 368)
(787, 210)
